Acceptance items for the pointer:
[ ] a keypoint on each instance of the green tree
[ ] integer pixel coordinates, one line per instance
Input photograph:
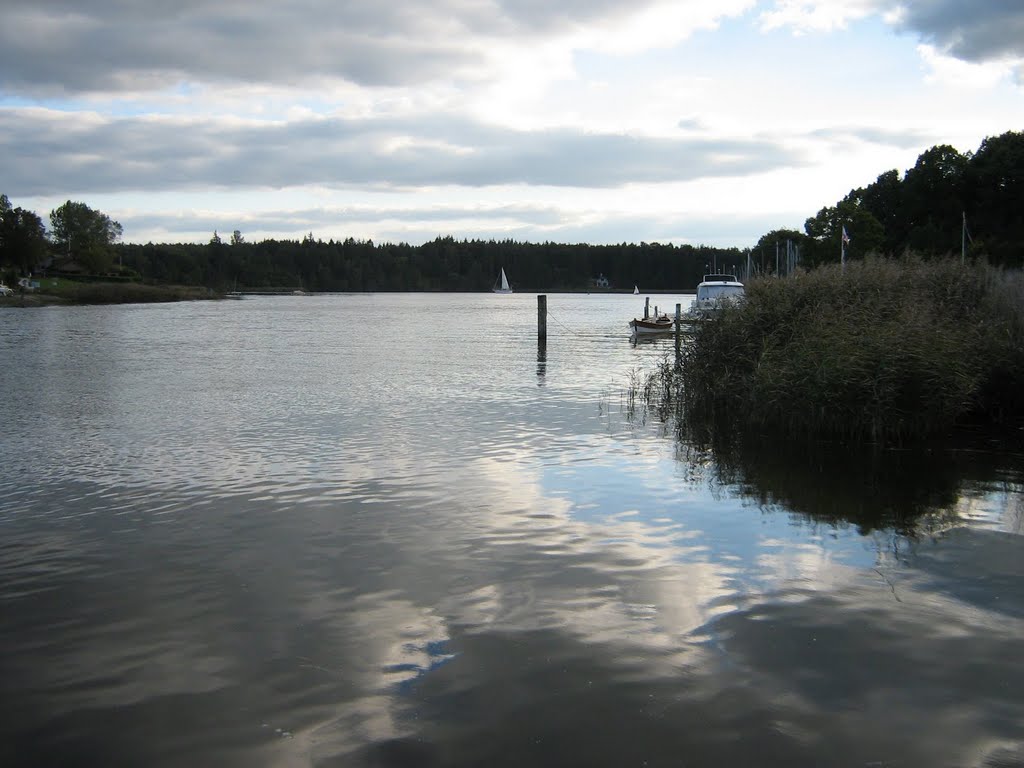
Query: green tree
(994, 189)
(933, 201)
(773, 244)
(22, 237)
(825, 229)
(86, 235)
(883, 199)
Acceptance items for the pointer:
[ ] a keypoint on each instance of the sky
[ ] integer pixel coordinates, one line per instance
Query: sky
(600, 121)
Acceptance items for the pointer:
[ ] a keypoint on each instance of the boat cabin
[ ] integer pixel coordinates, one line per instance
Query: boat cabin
(719, 286)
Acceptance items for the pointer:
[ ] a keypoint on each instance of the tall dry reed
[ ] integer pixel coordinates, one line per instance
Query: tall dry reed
(885, 350)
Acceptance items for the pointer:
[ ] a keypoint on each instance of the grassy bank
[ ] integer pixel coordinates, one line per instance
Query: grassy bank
(887, 351)
(63, 291)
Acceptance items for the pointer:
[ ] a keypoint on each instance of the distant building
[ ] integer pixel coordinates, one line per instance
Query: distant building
(601, 282)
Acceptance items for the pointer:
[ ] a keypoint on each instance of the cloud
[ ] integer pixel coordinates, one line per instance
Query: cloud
(980, 31)
(64, 48)
(815, 16)
(114, 45)
(416, 225)
(52, 152)
(909, 139)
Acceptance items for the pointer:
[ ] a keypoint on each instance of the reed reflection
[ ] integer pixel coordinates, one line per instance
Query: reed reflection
(908, 491)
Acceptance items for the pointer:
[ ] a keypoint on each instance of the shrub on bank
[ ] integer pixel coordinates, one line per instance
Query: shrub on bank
(127, 293)
(885, 350)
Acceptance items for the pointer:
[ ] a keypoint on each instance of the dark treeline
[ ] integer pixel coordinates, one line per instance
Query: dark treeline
(946, 200)
(443, 264)
(926, 211)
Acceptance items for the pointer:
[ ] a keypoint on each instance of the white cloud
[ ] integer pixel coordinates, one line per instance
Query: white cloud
(816, 16)
(946, 70)
(605, 119)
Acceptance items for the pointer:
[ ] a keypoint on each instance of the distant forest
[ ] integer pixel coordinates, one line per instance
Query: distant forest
(443, 264)
(947, 201)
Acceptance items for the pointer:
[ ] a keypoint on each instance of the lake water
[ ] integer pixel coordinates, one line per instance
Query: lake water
(388, 530)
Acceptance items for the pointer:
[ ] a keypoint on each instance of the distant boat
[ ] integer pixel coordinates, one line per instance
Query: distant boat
(501, 284)
(636, 290)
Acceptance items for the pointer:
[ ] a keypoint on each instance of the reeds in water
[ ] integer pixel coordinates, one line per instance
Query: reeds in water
(885, 350)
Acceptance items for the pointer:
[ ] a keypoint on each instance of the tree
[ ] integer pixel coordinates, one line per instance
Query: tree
(826, 230)
(236, 238)
(86, 235)
(22, 237)
(772, 244)
(933, 200)
(883, 199)
(994, 189)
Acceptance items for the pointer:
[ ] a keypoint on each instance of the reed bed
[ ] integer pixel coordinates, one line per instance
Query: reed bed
(124, 293)
(886, 350)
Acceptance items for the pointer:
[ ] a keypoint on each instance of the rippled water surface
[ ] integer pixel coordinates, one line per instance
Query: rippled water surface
(390, 530)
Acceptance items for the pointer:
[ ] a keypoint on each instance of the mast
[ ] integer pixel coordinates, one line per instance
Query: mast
(963, 240)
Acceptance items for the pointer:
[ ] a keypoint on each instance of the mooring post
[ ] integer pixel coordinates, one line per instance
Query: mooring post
(679, 328)
(542, 318)
(647, 307)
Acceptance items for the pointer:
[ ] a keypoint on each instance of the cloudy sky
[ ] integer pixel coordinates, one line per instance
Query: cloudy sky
(700, 121)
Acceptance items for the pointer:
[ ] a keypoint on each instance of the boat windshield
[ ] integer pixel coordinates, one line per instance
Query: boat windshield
(712, 292)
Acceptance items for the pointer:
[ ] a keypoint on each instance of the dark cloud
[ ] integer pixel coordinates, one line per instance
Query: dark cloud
(982, 30)
(53, 153)
(60, 47)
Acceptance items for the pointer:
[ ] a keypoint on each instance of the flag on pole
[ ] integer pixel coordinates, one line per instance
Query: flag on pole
(846, 237)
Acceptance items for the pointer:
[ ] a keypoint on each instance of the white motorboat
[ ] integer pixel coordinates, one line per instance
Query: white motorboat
(713, 292)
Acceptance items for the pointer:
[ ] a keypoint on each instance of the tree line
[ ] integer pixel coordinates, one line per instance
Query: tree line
(946, 200)
(948, 203)
(443, 264)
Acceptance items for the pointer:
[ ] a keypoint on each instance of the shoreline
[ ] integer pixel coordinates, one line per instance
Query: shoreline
(108, 293)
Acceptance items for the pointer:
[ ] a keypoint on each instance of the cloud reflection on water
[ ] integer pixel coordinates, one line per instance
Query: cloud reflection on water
(461, 578)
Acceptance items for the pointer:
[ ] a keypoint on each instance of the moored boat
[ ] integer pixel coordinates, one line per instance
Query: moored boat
(713, 292)
(657, 324)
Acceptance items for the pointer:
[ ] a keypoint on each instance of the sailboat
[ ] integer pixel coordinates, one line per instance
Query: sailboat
(636, 290)
(501, 284)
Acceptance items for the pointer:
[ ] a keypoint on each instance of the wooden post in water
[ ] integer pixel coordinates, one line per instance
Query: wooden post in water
(679, 328)
(542, 318)
(647, 307)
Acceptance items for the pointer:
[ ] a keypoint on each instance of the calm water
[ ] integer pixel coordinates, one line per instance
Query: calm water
(387, 530)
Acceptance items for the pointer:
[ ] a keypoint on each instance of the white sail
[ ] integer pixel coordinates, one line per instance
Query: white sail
(636, 290)
(502, 286)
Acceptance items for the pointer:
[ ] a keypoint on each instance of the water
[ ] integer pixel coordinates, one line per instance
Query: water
(388, 530)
